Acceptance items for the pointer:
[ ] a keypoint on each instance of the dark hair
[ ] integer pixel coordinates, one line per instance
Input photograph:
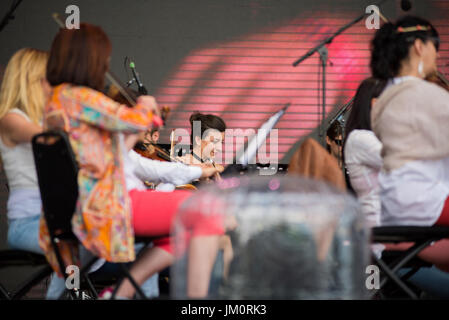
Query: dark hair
(360, 116)
(79, 56)
(390, 46)
(207, 121)
(333, 131)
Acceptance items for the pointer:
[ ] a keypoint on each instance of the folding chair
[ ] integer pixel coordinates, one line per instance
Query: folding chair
(57, 172)
(18, 258)
(393, 260)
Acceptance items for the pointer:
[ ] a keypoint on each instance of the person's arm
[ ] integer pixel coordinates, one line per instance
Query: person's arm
(167, 172)
(16, 129)
(99, 110)
(367, 149)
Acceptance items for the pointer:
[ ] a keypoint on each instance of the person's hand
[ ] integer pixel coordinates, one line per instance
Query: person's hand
(208, 171)
(219, 167)
(149, 102)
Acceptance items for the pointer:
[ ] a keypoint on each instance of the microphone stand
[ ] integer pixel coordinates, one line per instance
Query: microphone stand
(9, 15)
(130, 82)
(323, 52)
(339, 117)
(342, 111)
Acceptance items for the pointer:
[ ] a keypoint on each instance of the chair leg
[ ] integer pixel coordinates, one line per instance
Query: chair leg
(4, 295)
(399, 263)
(75, 294)
(391, 275)
(409, 254)
(91, 286)
(84, 272)
(127, 275)
(35, 279)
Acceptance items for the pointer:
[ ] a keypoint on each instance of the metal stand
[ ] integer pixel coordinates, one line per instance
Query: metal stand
(323, 52)
(9, 15)
(340, 118)
(324, 56)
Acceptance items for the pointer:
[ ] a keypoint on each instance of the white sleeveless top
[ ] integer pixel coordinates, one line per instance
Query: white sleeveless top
(18, 163)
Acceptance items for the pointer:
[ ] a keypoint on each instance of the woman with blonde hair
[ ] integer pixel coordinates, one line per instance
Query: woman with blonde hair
(23, 94)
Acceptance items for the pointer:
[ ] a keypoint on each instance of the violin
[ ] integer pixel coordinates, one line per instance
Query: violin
(152, 151)
(146, 148)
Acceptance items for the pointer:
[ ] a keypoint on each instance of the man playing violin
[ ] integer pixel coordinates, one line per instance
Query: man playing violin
(207, 137)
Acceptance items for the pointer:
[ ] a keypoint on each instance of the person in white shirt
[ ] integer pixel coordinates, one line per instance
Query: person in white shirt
(362, 150)
(168, 174)
(410, 119)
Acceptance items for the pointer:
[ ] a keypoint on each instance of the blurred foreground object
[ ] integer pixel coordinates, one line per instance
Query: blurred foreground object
(294, 238)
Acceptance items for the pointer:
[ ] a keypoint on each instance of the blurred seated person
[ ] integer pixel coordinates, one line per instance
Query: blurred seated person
(362, 149)
(410, 119)
(313, 161)
(152, 135)
(23, 95)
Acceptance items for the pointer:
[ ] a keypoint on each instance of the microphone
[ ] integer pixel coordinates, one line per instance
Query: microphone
(141, 88)
(406, 5)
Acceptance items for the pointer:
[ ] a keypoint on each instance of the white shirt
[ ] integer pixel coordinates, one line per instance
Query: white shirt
(170, 174)
(363, 161)
(18, 162)
(414, 194)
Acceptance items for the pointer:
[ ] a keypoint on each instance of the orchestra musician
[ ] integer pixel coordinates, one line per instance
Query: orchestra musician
(410, 120)
(206, 137)
(23, 94)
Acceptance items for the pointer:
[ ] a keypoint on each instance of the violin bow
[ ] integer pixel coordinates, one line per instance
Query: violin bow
(172, 143)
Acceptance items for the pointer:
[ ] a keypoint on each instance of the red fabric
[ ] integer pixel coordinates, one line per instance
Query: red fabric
(443, 220)
(154, 212)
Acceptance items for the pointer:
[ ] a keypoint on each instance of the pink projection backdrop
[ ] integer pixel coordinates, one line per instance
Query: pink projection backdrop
(248, 79)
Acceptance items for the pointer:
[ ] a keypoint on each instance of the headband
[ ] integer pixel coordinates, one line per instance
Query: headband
(413, 29)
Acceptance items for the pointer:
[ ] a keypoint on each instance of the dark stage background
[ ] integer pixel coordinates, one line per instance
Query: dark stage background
(228, 57)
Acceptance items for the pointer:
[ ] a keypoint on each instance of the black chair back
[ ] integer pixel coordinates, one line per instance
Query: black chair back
(57, 173)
